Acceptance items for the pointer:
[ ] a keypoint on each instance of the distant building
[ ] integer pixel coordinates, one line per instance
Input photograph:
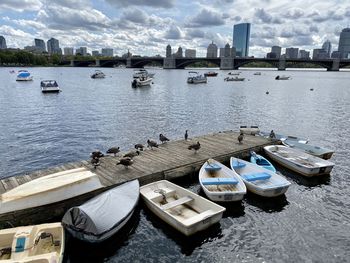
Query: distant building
(2, 42)
(81, 51)
(107, 52)
(335, 54)
(68, 51)
(304, 54)
(319, 53)
(327, 46)
(95, 53)
(53, 46)
(344, 43)
(40, 44)
(32, 49)
(190, 53)
(271, 55)
(168, 51)
(212, 51)
(221, 52)
(179, 53)
(241, 37)
(277, 50)
(292, 52)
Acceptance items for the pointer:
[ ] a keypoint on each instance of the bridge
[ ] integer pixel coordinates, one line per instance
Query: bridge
(227, 63)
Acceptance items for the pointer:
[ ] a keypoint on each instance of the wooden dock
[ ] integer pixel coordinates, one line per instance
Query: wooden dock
(169, 161)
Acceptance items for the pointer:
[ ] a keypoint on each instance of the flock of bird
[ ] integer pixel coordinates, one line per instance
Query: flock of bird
(127, 159)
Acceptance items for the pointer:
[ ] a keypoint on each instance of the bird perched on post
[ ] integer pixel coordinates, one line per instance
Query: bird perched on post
(113, 150)
(96, 154)
(132, 154)
(162, 138)
(152, 144)
(139, 146)
(95, 162)
(186, 135)
(126, 161)
(240, 138)
(195, 147)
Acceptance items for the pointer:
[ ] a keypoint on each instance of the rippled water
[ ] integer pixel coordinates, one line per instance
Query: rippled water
(311, 223)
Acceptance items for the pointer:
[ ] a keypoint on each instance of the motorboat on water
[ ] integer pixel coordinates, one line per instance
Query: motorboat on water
(37, 243)
(234, 73)
(141, 81)
(142, 73)
(196, 78)
(220, 183)
(298, 161)
(257, 73)
(49, 86)
(117, 205)
(281, 137)
(234, 79)
(278, 77)
(317, 151)
(98, 75)
(210, 74)
(250, 130)
(184, 210)
(24, 75)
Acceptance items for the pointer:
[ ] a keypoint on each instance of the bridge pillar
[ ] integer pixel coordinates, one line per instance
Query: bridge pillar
(128, 63)
(335, 65)
(71, 63)
(169, 63)
(97, 63)
(282, 64)
(226, 63)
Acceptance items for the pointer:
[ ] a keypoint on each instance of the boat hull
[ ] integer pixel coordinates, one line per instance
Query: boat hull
(310, 149)
(25, 79)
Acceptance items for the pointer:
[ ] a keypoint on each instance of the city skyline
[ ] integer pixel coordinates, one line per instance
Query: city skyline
(146, 30)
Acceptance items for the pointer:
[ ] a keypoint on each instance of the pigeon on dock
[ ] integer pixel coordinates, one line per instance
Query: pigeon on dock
(240, 138)
(195, 147)
(139, 147)
(95, 162)
(96, 154)
(162, 138)
(152, 144)
(126, 161)
(186, 135)
(113, 150)
(132, 154)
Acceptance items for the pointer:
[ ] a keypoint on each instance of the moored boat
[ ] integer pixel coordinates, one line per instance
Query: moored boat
(49, 86)
(98, 75)
(220, 183)
(142, 73)
(234, 79)
(184, 210)
(196, 78)
(104, 215)
(24, 75)
(310, 149)
(261, 161)
(234, 73)
(49, 189)
(210, 74)
(258, 179)
(282, 137)
(298, 161)
(278, 77)
(141, 82)
(37, 243)
(250, 130)
(257, 73)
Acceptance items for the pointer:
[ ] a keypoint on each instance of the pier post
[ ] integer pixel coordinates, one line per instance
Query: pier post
(335, 65)
(282, 64)
(169, 63)
(97, 63)
(71, 63)
(226, 63)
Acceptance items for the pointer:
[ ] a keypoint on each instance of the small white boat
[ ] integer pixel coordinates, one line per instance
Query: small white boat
(184, 210)
(257, 73)
(250, 130)
(310, 149)
(234, 73)
(260, 180)
(117, 205)
(141, 82)
(98, 75)
(220, 183)
(283, 137)
(261, 161)
(49, 189)
(234, 79)
(210, 74)
(298, 161)
(24, 75)
(36, 244)
(195, 78)
(278, 77)
(49, 86)
(142, 73)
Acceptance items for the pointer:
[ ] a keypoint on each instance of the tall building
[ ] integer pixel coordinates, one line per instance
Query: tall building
(335, 54)
(168, 51)
(319, 53)
(107, 52)
(212, 51)
(95, 53)
(304, 54)
(241, 36)
(190, 53)
(53, 46)
(292, 52)
(68, 51)
(81, 51)
(277, 50)
(40, 44)
(344, 43)
(179, 54)
(327, 46)
(2, 42)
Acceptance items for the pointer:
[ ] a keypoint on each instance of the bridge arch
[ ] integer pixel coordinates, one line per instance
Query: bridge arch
(239, 63)
(323, 64)
(182, 63)
(143, 62)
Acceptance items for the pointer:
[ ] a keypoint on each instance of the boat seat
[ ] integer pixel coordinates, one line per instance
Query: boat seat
(236, 165)
(180, 201)
(219, 181)
(256, 176)
(199, 217)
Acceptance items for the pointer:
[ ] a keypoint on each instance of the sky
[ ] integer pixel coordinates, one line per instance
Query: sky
(146, 27)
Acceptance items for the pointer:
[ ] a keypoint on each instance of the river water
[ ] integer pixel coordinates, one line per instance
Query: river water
(311, 223)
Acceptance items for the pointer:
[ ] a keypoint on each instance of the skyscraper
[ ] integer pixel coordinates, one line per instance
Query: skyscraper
(190, 53)
(241, 36)
(107, 52)
(68, 51)
(2, 42)
(277, 51)
(168, 51)
(344, 43)
(53, 46)
(40, 44)
(212, 51)
(292, 52)
(327, 46)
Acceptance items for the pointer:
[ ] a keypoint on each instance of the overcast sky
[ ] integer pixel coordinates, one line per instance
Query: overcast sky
(147, 26)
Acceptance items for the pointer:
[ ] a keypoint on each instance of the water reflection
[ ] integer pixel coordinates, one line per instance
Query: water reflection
(267, 204)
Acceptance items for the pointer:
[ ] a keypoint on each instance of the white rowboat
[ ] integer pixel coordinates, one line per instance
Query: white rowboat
(310, 149)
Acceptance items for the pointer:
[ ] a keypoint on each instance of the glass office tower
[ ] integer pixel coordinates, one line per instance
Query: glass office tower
(241, 35)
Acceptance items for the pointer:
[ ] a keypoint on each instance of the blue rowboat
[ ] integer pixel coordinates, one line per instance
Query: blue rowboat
(261, 161)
